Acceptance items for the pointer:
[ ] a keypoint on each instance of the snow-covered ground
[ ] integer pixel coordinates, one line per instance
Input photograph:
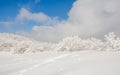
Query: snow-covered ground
(61, 63)
(72, 56)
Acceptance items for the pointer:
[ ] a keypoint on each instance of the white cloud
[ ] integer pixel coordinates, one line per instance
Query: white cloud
(95, 16)
(37, 17)
(25, 15)
(86, 18)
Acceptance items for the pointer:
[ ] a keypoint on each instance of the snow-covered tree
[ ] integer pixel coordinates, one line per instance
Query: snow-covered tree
(20, 44)
(112, 42)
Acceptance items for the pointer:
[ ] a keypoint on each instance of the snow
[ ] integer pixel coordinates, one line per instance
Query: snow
(20, 55)
(61, 63)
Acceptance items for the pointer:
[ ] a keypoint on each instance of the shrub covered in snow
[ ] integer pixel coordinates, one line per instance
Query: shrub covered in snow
(77, 44)
(19, 44)
(112, 42)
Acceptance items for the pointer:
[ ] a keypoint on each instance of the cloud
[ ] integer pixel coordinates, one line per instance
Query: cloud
(37, 17)
(95, 17)
(86, 18)
(25, 15)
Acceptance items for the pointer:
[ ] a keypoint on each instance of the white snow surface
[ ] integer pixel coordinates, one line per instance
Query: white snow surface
(61, 63)
(19, 44)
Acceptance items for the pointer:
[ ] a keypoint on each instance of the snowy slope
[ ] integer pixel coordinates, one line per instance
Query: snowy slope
(87, 63)
(62, 63)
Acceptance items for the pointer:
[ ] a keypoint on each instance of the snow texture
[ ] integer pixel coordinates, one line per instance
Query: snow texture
(20, 44)
(61, 63)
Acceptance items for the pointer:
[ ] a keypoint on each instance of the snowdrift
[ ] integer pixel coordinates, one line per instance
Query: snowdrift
(21, 44)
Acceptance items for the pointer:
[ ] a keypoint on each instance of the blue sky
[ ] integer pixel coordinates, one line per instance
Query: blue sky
(9, 9)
